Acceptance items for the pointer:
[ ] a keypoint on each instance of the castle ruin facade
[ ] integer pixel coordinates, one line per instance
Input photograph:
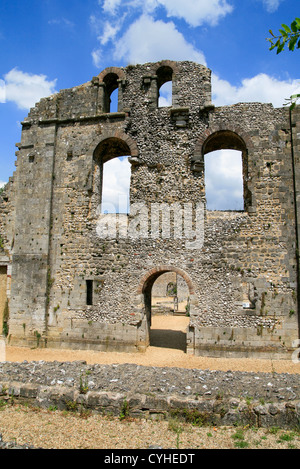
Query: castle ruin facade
(72, 276)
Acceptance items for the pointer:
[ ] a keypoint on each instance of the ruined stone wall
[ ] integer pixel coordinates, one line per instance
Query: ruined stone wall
(3, 294)
(7, 217)
(242, 274)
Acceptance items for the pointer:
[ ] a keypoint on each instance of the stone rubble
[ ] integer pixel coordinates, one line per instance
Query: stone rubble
(264, 399)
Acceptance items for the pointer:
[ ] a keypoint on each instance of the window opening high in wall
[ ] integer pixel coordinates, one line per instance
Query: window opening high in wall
(112, 176)
(224, 180)
(111, 93)
(116, 186)
(164, 86)
(226, 172)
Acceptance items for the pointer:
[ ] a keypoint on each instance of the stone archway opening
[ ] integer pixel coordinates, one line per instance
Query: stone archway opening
(167, 295)
(169, 311)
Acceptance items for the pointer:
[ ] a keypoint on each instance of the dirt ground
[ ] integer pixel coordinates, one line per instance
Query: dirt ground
(166, 349)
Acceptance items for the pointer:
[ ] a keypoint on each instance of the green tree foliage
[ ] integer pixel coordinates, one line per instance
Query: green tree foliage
(292, 101)
(291, 37)
(288, 35)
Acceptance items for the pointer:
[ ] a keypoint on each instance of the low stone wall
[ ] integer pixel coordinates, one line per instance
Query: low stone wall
(202, 396)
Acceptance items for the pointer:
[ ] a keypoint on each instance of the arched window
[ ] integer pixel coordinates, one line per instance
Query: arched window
(164, 86)
(165, 95)
(226, 172)
(116, 186)
(111, 92)
(224, 180)
(112, 175)
(114, 101)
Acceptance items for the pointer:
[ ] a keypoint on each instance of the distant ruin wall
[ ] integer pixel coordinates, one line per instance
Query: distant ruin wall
(74, 287)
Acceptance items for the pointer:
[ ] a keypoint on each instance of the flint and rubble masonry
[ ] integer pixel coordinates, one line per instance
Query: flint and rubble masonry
(242, 278)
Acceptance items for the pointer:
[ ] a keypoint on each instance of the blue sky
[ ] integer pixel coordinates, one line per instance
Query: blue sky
(48, 45)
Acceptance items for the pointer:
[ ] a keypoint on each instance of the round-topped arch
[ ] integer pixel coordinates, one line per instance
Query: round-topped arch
(119, 72)
(113, 152)
(113, 144)
(149, 278)
(110, 80)
(145, 297)
(232, 138)
(118, 139)
(144, 289)
(165, 72)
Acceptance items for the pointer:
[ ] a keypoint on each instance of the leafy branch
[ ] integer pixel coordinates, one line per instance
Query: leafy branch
(292, 101)
(288, 35)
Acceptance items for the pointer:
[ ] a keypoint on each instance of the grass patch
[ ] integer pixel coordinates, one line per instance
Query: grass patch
(124, 412)
(239, 438)
(286, 437)
(194, 417)
(176, 427)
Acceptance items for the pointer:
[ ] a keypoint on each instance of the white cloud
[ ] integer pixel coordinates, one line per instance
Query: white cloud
(94, 24)
(271, 5)
(2, 91)
(198, 12)
(165, 95)
(26, 89)
(110, 6)
(260, 88)
(106, 31)
(193, 12)
(2, 184)
(224, 180)
(116, 182)
(147, 40)
(146, 6)
(109, 32)
(64, 22)
(97, 55)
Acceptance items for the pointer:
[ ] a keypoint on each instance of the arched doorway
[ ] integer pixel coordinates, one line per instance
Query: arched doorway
(168, 295)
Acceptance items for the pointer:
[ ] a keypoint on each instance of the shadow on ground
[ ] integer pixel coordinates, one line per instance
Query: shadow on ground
(168, 338)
